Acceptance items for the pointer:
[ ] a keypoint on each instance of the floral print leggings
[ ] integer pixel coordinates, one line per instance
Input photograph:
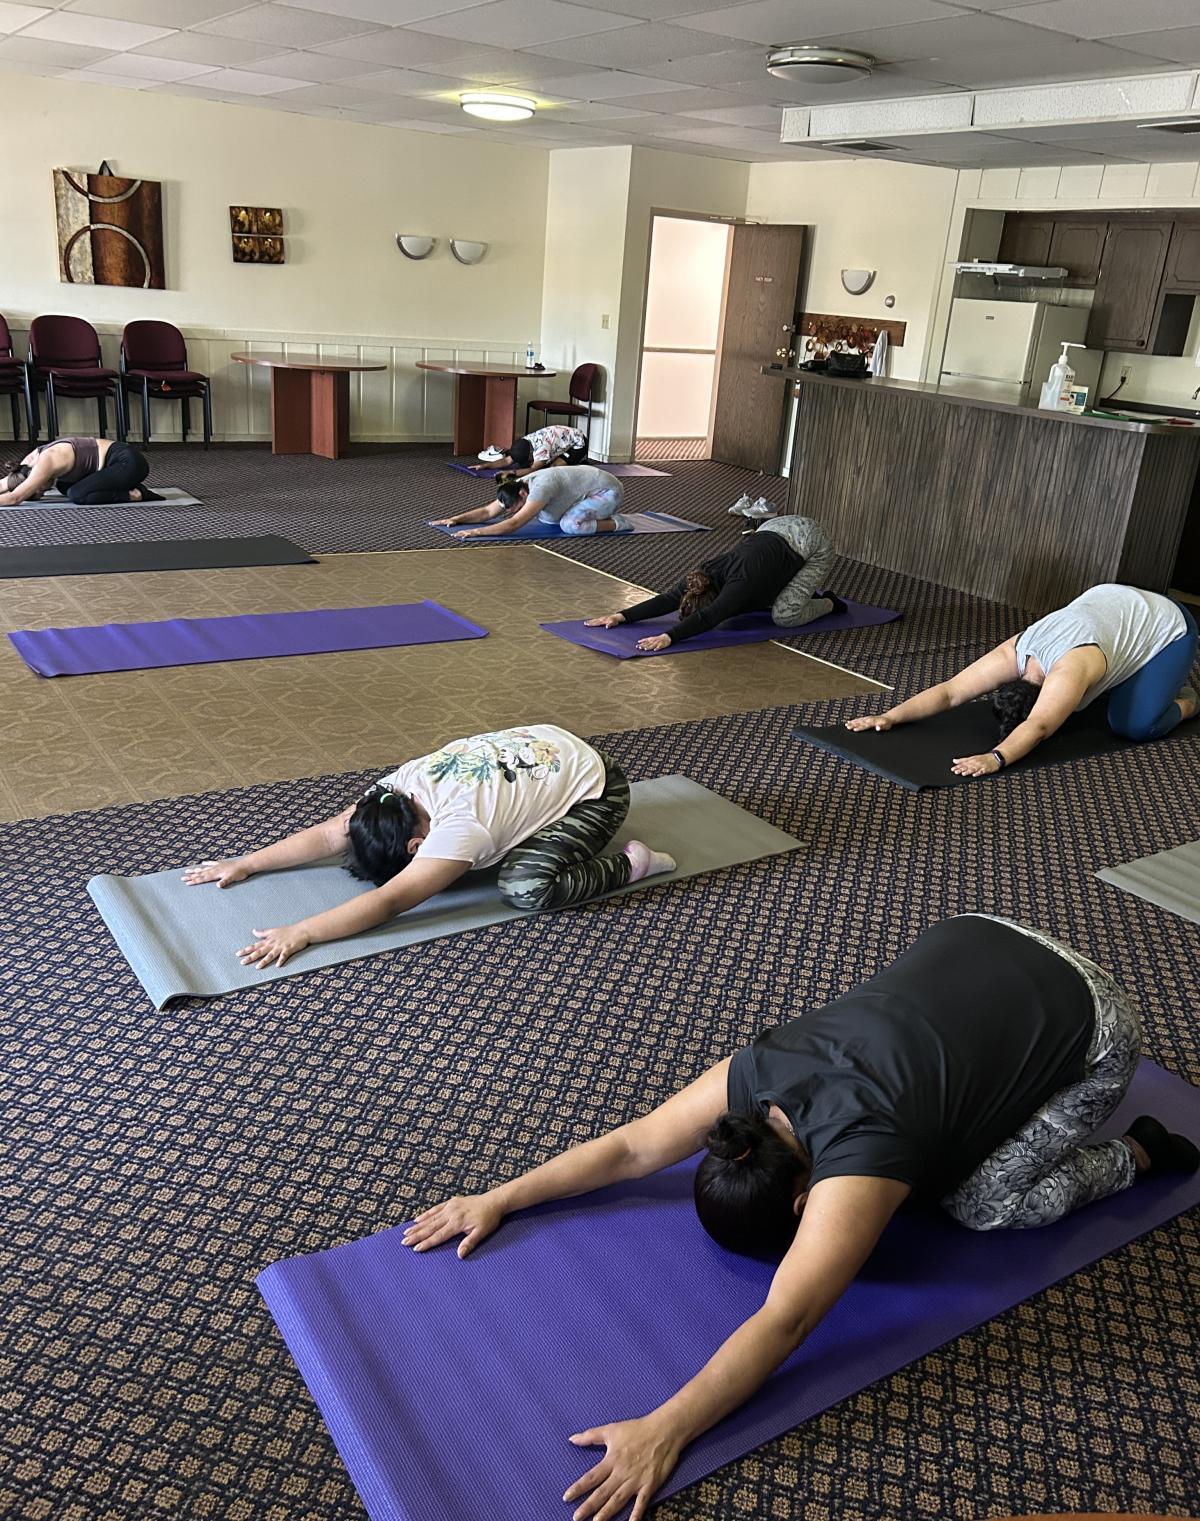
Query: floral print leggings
(1046, 1170)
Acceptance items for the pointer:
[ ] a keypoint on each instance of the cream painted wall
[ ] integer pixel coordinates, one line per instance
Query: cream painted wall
(1167, 381)
(892, 218)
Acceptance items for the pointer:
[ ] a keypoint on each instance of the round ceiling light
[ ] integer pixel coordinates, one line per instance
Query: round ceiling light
(806, 63)
(497, 107)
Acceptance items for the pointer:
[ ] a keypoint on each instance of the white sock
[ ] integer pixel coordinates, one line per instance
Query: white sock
(644, 862)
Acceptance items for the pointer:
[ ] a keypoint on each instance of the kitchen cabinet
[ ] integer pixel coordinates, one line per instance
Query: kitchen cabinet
(1076, 245)
(1026, 239)
(1183, 259)
(1131, 272)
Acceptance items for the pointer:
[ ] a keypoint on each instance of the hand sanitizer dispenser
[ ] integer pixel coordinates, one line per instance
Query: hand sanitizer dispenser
(1056, 393)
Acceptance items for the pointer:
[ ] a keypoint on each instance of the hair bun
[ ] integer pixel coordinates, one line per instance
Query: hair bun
(735, 1137)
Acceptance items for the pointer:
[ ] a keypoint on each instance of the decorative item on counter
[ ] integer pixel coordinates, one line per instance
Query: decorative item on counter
(257, 234)
(415, 245)
(857, 281)
(466, 251)
(109, 229)
(1056, 393)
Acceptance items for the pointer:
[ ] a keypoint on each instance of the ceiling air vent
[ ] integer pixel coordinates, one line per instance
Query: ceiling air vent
(1186, 128)
(863, 145)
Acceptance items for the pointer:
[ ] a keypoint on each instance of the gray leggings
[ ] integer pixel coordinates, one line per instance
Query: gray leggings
(561, 864)
(1045, 1171)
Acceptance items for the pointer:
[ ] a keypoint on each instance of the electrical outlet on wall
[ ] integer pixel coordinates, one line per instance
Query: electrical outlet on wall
(1126, 371)
(604, 319)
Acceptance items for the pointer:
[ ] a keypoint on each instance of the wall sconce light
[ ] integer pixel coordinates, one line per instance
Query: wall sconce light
(467, 252)
(415, 245)
(857, 281)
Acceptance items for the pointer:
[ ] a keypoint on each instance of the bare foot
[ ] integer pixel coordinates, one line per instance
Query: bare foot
(135, 495)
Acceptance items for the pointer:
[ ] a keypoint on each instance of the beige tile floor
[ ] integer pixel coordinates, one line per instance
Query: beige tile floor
(87, 741)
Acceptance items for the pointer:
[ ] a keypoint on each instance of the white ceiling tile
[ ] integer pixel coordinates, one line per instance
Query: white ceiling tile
(648, 43)
(406, 82)
(180, 13)
(770, 21)
(343, 97)
(655, 10)
(93, 31)
(1106, 18)
(487, 65)
(52, 55)
(386, 12)
(286, 26)
(521, 23)
(13, 17)
(221, 52)
(414, 125)
(960, 36)
(152, 70)
(1060, 59)
(245, 82)
(602, 84)
(586, 111)
(319, 67)
(679, 101)
(399, 46)
(1179, 45)
(113, 81)
(767, 118)
(740, 62)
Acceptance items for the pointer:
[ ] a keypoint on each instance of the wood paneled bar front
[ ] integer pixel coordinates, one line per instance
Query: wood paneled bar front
(996, 498)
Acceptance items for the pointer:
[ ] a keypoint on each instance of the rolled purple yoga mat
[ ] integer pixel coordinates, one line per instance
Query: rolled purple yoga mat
(250, 636)
(450, 1388)
(750, 628)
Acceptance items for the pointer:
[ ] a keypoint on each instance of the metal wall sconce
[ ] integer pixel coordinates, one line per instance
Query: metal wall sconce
(415, 245)
(467, 252)
(857, 281)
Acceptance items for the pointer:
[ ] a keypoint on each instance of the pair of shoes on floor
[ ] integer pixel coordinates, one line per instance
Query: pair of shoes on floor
(744, 507)
(490, 455)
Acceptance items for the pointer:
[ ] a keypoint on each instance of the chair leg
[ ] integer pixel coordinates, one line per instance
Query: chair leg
(186, 417)
(207, 395)
(122, 415)
(102, 413)
(51, 408)
(528, 410)
(16, 416)
(31, 407)
(145, 411)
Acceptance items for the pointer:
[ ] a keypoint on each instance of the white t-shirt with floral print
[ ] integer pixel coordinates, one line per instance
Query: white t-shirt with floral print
(487, 793)
(558, 438)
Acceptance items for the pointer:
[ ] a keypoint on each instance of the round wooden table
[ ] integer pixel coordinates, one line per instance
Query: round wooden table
(310, 401)
(485, 401)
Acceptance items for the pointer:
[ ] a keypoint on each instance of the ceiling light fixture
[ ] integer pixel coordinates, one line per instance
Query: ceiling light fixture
(494, 107)
(808, 63)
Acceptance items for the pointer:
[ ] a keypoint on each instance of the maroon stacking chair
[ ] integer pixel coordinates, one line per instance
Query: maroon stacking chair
(64, 360)
(581, 393)
(12, 377)
(154, 363)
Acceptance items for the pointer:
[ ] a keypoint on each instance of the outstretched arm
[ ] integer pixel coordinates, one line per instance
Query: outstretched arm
(842, 1221)
(984, 675)
(312, 844)
(473, 515)
(666, 1135)
(40, 478)
(525, 513)
(1061, 693)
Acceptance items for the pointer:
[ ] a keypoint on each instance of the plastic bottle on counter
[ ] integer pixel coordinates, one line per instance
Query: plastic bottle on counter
(1056, 393)
(531, 355)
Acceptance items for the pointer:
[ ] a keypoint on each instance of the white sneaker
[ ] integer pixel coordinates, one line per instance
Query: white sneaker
(760, 509)
(742, 503)
(490, 455)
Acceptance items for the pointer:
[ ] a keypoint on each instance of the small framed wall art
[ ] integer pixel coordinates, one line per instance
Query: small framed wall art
(257, 234)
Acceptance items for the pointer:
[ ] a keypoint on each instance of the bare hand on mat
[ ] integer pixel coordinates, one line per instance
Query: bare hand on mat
(640, 1456)
(654, 642)
(223, 873)
(610, 620)
(489, 532)
(273, 947)
(880, 721)
(975, 765)
(473, 1218)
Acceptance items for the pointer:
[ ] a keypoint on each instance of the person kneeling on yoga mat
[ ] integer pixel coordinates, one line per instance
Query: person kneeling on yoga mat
(536, 800)
(1136, 646)
(973, 1071)
(559, 444)
(91, 472)
(581, 499)
(779, 569)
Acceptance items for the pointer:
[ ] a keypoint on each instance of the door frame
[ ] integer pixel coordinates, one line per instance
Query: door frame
(684, 216)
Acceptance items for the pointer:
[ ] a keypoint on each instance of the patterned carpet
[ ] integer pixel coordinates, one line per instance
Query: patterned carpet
(155, 1162)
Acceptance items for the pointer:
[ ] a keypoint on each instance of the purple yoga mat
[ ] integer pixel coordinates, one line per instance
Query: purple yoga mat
(749, 628)
(250, 636)
(450, 1388)
(490, 472)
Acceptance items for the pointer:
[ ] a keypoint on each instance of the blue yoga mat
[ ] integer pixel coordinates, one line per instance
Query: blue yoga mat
(450, 1388)
(250, 636)
(490, 472)
(640, 522)
(749, 628)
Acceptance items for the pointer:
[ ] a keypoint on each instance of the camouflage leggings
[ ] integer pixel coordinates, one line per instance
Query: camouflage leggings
(562, 864)
(1045, 1171)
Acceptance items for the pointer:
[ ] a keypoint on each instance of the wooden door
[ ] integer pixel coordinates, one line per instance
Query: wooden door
(761, 306)
(1026, 239)
(1076, 246)
(1131, 270)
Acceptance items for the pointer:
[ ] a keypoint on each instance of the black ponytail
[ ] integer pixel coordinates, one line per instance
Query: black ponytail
(745, 1188)
(380, 829)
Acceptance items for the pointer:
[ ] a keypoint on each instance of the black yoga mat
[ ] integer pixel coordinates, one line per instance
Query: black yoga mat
(154, 554)
(918, 756)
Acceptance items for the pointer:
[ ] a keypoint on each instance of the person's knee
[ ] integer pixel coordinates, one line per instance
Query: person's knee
(579, 525)
(1124, 726)
(525, 890)
(78, 494)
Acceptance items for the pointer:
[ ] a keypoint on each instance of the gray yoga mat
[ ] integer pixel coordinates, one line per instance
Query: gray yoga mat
(182, 942)
(168, 496)
(1170, 878)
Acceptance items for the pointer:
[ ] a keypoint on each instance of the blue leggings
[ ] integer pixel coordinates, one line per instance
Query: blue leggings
(581, 519)
(1143, 706)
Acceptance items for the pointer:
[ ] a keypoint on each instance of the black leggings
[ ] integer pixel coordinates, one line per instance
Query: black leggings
(124, 468)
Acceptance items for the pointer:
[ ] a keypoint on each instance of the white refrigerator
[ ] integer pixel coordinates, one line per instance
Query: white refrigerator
(1009, 345)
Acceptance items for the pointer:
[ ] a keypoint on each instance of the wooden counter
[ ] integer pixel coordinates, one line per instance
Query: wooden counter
(988, 496)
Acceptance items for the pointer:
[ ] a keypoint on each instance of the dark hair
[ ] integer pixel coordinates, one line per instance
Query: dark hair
(14, 475)
(745, 1188)
(699, 590)
(520, 451)
(1012, 704)
(508, 489)
(380, 828)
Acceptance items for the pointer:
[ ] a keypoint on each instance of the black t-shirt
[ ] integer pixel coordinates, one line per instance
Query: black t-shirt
(920, 1073)
(750, 576)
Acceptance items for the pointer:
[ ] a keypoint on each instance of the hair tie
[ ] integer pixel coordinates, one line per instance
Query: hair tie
(383, 796)
(742, 1157)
